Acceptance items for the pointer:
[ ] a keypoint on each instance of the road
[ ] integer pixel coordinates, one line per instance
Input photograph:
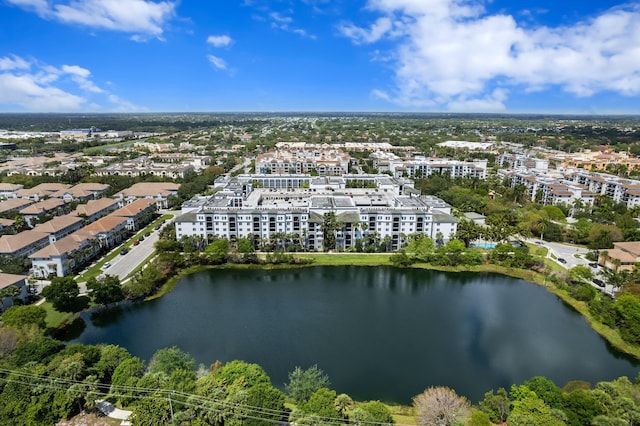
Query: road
(122, 265)
(574, 256)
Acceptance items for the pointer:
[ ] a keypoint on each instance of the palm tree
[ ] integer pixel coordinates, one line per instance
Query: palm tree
(11, 291)
(541, 226)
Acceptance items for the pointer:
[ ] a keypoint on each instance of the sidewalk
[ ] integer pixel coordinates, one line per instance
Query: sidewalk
(115, 413)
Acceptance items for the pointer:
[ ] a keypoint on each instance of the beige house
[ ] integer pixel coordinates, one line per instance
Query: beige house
(623, 256)
(95, 209)
(110, 230)
(41, 191)
(157, 191)
(8, 280)
(53, 206)
(8, 190)
(64, 256)
(59, 227)
(138, 213)
(14, 204)
(23, 244)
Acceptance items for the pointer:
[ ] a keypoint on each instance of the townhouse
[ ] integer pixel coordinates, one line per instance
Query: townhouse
(14, 205)
(50, 206)
(13, 280)
(160, 192)
(95, 209)
(23, 244)
(9, 190)
(138, 213)
(64, 256)
(59, 227)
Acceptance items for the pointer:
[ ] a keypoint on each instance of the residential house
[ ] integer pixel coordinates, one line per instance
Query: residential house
(109, 230)
(95, 209)
(64, 256)
(138, 213)
(60, 226)
(8, 280)
(82, 192)
(51, 206)
(23, 244)
(622, 257)
(14, 204)
(158, 191)
(8, 190)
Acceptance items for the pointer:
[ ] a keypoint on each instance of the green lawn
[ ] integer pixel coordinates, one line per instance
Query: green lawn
(55, 318)
(338, 259)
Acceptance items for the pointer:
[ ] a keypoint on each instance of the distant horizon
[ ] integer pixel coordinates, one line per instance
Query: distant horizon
(396, 56)
(326, 113)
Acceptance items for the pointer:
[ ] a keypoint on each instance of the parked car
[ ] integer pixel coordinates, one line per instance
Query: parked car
(157, 227)
(124, 251)
(561, 260)
(141, 238)
(136, 242)
(106, 265)
(146, 234)
(598, 282)
(593, 265)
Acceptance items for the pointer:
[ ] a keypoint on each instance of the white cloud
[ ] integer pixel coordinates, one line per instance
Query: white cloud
(217, 62)
(34, 86)
(360, 35)
(451, 54)
(277, 17)
(219, 40)
(140, 17)
(14, 62)
(27, 92)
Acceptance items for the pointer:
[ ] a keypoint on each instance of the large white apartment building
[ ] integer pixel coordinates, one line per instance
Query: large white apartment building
(575, 184)
(423, 166)
(325, 161)
(389, 209)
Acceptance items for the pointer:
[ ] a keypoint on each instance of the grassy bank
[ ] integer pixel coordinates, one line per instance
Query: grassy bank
(374, 259)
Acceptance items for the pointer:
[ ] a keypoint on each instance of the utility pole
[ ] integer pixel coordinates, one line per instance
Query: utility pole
(171, 408)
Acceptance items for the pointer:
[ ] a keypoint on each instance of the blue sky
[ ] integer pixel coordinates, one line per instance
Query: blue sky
(508, 56)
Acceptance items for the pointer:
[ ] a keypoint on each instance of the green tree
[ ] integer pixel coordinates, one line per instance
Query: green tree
(343, 403)
(303, 383)
(25, 316)
(580, 273)
(321, 403)
(530, 410)
(170, 359)
(152, 410)
(376, 412)
(496, 405)
(8, 292)
(580, 407)
(63, 294)
(105, 290)
(125, 378)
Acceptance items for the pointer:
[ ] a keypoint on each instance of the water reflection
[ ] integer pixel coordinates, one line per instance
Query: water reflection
(380, 333)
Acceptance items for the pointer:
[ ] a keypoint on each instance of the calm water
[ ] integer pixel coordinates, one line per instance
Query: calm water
(379, 333)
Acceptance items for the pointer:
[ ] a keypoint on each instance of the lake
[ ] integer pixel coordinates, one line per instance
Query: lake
(378, 332)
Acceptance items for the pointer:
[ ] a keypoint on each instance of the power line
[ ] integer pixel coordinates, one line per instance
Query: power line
(190, 400)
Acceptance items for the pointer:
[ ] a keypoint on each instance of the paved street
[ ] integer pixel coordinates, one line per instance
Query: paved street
(122, 265)
(573, 256)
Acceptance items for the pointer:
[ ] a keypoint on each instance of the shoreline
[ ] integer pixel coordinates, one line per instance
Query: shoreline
(375, 259)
